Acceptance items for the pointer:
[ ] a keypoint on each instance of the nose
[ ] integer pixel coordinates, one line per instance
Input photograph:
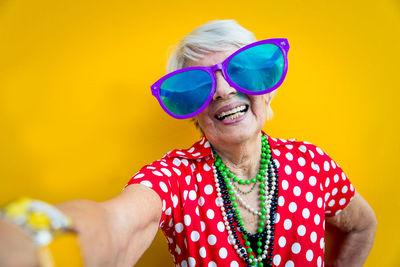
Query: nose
(223, 89)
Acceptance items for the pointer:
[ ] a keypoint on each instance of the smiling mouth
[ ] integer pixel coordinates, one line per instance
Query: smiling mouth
(232, 113)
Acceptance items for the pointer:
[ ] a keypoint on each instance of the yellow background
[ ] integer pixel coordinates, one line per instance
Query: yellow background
(77, 118)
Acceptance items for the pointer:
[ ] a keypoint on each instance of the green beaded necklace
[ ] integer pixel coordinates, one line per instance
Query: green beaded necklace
(264, 197)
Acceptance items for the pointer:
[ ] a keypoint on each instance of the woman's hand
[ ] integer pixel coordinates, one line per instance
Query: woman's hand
(16, 247)
(112, 233)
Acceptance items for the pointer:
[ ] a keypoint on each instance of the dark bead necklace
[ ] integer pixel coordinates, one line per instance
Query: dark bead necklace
(257, 248)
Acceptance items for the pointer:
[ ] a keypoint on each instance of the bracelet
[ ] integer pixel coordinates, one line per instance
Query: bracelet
(49, 228)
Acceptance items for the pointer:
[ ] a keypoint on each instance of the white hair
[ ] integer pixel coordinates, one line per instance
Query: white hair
(214, 36)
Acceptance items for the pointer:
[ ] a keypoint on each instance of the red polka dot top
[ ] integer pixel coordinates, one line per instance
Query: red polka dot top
(311, 187)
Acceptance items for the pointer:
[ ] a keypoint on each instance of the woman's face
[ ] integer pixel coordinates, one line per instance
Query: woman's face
(231, 117)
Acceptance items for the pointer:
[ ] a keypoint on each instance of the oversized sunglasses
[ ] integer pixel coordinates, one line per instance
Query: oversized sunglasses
(254, 69)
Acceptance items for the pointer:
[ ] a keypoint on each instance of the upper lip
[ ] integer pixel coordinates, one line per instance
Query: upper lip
(229, 107)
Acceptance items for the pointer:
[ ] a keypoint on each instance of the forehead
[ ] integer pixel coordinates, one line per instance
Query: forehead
(213, 58)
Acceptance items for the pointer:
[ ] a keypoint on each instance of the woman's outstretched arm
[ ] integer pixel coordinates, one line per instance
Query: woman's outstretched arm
(111, 233)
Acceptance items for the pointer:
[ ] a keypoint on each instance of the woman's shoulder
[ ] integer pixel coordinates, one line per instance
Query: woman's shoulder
(302, 150)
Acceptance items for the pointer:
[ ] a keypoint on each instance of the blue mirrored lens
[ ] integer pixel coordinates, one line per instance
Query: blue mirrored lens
(257, 68)
(186, 92)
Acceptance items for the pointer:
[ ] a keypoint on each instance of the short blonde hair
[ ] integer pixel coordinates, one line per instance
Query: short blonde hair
(214, 36)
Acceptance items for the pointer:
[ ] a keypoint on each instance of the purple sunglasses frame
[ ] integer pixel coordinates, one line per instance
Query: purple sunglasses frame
(283, 45)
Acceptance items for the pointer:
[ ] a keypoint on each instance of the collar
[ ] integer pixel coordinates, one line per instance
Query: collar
(202, 148)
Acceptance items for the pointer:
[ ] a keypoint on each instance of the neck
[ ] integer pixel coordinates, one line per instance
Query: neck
(242, 158)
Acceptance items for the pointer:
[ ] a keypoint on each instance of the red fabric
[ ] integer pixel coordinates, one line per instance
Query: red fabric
(311, 187)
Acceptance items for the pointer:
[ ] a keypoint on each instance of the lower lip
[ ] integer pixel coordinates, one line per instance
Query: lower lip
(238, 119)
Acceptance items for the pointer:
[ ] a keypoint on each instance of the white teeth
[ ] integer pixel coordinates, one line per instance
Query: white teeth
(232, 111)
(234, 116)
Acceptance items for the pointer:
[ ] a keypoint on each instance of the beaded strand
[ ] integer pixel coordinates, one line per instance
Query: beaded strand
(268, 203)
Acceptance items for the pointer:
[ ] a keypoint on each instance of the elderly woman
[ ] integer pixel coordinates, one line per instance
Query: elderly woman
(237, 197)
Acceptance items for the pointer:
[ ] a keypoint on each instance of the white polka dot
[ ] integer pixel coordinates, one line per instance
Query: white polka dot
(351, 187)
(212, 264)
(292, 207)
(345, 189)
(147, 183)
(174, 199)
(317, 219)
(306, 213)
(276, 152)
(166, 172)
(331, 203)
(299, 176)
(327, 195)
(309, 255)
(342, 201)
(326, 166)
(336, 178)
(302, 148)
(282, 241)
(333, 164)
(168, 211)
(289, 146)
(312, 180)
(208, 189)
(223, 253)
(187, 219)
(157, 173)
(178, 249)
(343, 176)
(301, 161)
(334, 191)
(234, 264)
(327, 181)
(313, 237)
(301, 230)
(199, 178)
(311, 153)
(192, 262)
(195, 236)
(184, 263)
(192, 195)
(281, 201)
(277, 217)
(296, 191)
(187, 178)
(309, 196)
(319, 261)
(287, 224)
(177, 171)
(203, 252)
(221, 226)
(322, 243)
(176, 162)
(285, 185)
(178, 227)
(319, 150)
(319, 202)
(277, 163)
(201, 201)
(203, 226)
(210, 214)
(289, 264)
(197, 211)
(288, 170)
(206, 167)
(289, 156)
(277, 260)
(139, 175)
(212, 239)
(296, 248)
